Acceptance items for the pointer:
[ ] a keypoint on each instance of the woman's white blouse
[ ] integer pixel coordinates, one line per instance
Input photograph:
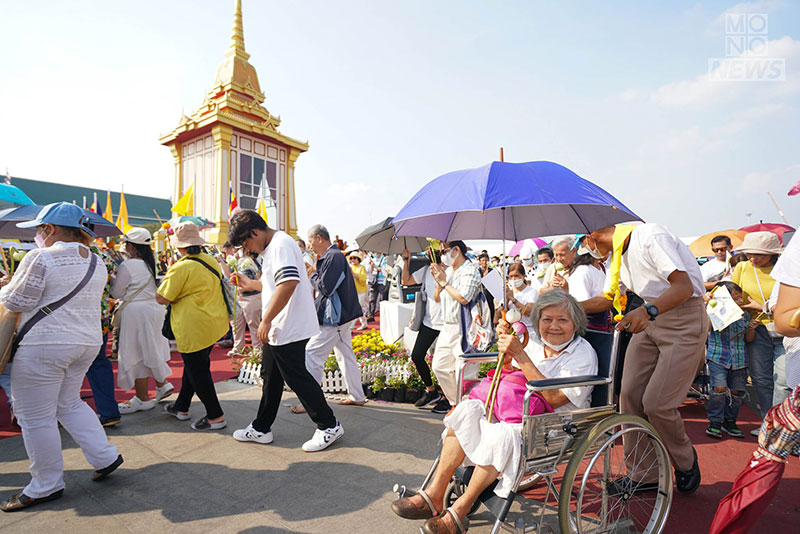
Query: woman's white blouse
(45, 276)
(132, 275)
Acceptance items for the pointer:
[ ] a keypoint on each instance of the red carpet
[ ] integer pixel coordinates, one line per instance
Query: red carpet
(221, 369)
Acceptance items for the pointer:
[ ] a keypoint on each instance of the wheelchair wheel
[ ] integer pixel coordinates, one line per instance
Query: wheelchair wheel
(455, 490)
(594, 495)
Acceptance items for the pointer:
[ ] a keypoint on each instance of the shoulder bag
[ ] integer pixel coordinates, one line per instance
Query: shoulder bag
(116, 316)
(11, 344)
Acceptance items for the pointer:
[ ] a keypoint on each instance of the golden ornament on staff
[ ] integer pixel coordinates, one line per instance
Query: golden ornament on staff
(513, 318)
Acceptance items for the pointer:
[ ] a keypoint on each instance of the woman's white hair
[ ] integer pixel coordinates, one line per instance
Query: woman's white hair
(560, 299)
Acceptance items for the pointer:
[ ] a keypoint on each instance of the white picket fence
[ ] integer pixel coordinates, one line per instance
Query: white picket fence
(333, 381)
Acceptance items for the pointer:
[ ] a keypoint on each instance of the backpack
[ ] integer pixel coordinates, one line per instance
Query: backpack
(476, 325)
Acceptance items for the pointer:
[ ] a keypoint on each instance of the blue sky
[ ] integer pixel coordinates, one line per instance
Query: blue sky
(393, 94)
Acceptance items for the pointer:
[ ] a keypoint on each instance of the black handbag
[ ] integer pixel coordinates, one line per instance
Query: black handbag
(166, 328)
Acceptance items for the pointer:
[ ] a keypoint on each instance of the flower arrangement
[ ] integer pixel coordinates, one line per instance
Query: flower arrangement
(251, 355)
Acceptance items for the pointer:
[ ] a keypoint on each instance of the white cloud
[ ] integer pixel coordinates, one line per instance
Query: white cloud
(761, 7)
(705, 90)
(630, 94)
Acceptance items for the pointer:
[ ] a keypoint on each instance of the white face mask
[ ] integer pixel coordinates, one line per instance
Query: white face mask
(448, 259)
(516, 283)
(595, 253)
(39, 240)
(558, 348)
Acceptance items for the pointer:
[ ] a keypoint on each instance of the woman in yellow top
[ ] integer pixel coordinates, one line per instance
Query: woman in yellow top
(765, 354)
(199, 318)
(360, 278)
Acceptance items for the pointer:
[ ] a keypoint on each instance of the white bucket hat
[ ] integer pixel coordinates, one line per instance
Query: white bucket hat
(760, 243)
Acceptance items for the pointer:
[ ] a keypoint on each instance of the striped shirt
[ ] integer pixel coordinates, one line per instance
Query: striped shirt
(726, 347)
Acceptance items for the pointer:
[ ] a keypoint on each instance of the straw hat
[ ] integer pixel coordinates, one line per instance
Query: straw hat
(186, 234)
(760, 243)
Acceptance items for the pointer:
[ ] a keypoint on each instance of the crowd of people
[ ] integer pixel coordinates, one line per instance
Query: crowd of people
(301, 301)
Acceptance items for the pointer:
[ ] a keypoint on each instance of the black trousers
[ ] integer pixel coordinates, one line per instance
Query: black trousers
(288, 362)
(374, 296)
(197, 380)
(425, 338)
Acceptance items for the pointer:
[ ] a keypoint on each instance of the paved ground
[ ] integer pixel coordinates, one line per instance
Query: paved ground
(178, 480)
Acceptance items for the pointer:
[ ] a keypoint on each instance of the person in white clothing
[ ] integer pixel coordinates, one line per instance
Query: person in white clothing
(556, 349)
(56, 347)
(248, 309)
(143, 351)
(520, 295)
(717, 267)
(556, 275)
(288, 320)
(586, 281)
(787, 301)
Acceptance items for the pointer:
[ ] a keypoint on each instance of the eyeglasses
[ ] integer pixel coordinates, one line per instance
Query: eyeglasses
(715, 250)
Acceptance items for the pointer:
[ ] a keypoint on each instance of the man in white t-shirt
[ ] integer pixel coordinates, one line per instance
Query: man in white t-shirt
(669, 334)
(288, 320)
(717, 267)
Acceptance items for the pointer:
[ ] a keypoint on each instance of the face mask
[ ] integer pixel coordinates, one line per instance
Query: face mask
(595, 253)
(448, 259)
(527, 263)
(543, 265)
(558, 348)
(516, 283)
(39, 240)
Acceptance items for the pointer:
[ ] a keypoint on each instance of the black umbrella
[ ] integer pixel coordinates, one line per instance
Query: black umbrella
(380, 238)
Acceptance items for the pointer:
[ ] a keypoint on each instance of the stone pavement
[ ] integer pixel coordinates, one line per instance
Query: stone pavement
(175, 479)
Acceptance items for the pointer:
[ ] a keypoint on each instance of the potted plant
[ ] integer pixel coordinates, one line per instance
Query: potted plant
(379, 386)
(398, 384)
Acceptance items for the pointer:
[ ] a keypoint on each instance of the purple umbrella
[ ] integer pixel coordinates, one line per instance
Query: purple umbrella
(509, 201)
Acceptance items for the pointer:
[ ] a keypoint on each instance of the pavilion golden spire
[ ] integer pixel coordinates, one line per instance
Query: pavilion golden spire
(237, 35)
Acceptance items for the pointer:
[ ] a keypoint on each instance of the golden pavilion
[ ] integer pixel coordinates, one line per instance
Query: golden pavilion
(231, 144)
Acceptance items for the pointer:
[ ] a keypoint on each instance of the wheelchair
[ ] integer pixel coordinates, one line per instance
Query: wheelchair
(587, 451)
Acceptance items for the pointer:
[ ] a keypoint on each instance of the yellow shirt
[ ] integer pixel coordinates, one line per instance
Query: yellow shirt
(359, 277)
(199, 316)
(744, 275)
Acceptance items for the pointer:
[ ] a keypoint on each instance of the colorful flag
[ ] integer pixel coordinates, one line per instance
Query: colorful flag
(107, 214)
(794, 190)
(233, 206)
(263, 196)
(122, 216)
(7, 178)
(185, 204)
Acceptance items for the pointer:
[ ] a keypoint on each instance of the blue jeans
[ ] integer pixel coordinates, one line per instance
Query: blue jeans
(5, 381)
(101, 380)
(724, 405)
(761, 355)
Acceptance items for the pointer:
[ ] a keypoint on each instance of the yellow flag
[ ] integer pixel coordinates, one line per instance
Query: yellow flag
(185, 204)
(261, 208)
(122, 216)
(107, 214)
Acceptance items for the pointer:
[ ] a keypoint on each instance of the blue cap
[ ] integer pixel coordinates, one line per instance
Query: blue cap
(61, 214)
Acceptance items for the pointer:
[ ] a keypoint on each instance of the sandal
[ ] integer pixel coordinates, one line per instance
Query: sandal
(407, 509)
(20, 501)
(436, 525)
(100, 474)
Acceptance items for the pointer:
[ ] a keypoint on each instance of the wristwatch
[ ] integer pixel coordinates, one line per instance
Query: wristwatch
(652, 311)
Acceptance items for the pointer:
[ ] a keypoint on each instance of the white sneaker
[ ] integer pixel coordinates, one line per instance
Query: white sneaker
(135, 404)
(322, 439)
(755, 432)
(235, 352)
(251, 434)
(164, 391)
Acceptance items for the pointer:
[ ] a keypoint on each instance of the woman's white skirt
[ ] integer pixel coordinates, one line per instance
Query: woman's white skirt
(485, 443)
(143, 351)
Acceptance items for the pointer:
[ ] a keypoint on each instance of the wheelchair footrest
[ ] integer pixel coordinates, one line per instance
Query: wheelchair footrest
(498, 506)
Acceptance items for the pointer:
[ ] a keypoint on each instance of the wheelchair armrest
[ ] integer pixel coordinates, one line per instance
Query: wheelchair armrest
(558, 383)
(480, 357)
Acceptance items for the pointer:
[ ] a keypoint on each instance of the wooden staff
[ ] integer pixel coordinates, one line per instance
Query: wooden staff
(5, 263)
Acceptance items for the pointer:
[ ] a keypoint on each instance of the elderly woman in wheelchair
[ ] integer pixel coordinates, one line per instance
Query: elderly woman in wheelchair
(494, 447)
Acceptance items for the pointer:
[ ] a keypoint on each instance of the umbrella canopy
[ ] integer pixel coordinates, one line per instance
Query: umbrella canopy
(12, 196)
(702, 245)
(380, 238)
(11, 216)
(527, 247)
(202, 222)
(509, 201)
(775, 228)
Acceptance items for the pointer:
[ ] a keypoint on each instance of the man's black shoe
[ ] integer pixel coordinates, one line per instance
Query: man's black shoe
(688, 481)
(627, 486)
(428, 399)
(442, 407)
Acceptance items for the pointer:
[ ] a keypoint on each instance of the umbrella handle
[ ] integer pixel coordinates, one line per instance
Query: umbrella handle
(794, 320)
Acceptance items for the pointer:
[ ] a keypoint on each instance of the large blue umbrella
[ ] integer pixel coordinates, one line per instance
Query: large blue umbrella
(11, 216)
(509, 201)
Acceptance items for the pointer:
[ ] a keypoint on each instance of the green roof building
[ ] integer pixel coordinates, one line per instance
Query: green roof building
(140, 208)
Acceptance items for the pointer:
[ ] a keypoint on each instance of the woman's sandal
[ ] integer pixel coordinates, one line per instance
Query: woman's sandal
(437, 525)
(20, 501)
(407, 509)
